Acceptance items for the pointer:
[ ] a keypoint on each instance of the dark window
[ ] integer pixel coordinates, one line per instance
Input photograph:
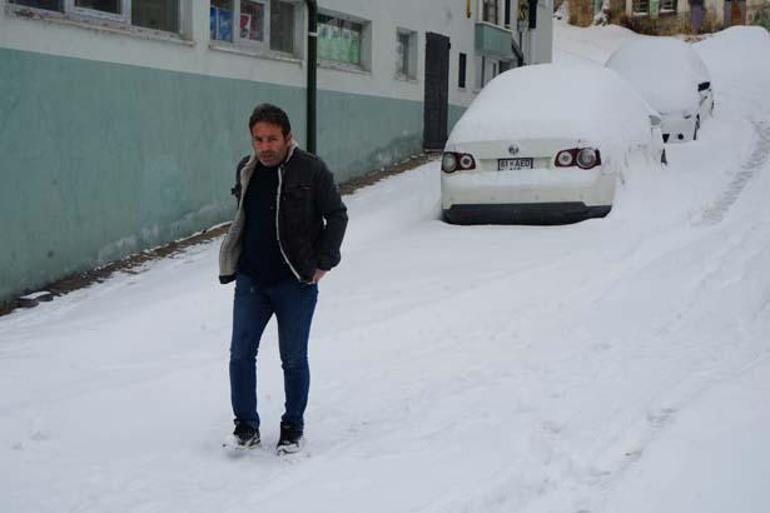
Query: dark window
(49, 5)
(156, 14)
(461, 80)
(110, 6)
(490, 11)
(668, 5)
(282, 26)
(640, 6)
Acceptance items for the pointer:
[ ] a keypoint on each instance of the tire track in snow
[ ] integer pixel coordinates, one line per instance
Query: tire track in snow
(716, 212)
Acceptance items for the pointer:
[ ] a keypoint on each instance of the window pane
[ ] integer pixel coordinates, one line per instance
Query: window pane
(50, 5)
(282, 26)
(339, 39)
(490, 11)
(461, 78)
(111, 6)
(402, 54)
(252, 22)
(221, 20)
(156, 14)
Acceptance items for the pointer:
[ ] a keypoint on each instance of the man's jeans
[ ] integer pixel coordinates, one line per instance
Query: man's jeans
(293, 304)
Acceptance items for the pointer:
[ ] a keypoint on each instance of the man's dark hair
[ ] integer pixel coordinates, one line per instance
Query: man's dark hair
(268, 113)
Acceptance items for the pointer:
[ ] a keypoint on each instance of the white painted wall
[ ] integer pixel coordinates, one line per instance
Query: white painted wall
(194, 54)
(89, 41)
(439, 16)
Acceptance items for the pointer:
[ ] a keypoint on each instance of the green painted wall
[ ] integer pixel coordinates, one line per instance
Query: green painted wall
(100, 160)
(453, 116)
(357, 134)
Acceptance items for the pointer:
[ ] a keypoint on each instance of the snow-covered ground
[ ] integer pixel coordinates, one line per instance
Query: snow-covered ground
(616, 365)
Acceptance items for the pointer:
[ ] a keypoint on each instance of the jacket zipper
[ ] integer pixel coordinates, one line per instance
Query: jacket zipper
(277, 224)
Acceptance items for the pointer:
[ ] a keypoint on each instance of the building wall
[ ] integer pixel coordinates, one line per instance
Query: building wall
(113, 142)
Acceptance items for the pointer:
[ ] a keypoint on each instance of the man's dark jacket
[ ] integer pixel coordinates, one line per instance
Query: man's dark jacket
(310, 217)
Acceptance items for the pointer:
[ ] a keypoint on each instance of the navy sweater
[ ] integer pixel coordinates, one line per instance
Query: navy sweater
(261, 256)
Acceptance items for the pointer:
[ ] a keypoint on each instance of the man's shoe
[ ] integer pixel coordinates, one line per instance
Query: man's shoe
(245, 436)
(291, 440)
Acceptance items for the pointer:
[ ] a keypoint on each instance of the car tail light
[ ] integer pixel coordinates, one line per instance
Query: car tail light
(452, 162)
(584, 158)
(587, 158)
(565, 159)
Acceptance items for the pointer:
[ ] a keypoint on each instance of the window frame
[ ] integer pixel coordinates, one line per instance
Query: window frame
(412, 37)
(365, 51)
(256, 47)
(483, 11)
(639, 3)
(486, 66)
(87, 13)
(84, 16)
(672, 9)
(462, 71)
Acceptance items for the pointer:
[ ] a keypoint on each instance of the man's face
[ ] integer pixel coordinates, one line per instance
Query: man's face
(270, 145)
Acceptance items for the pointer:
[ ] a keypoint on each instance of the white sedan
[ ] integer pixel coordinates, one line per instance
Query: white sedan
(545, 144)
(672, 78)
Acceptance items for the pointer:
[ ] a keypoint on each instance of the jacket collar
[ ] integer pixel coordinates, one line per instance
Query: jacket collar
(248, 168)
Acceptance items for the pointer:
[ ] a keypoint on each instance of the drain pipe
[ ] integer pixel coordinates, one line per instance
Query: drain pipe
(312, 72)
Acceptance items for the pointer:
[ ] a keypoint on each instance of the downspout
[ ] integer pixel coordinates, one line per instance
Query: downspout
(312, 72)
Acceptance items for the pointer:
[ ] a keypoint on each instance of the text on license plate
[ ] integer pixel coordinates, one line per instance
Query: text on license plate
(513, 164)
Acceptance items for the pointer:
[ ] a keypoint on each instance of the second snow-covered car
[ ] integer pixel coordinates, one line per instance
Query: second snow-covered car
(545, 144)
(673, 79)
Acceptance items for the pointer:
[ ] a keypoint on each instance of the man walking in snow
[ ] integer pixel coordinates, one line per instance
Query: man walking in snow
(285, 237)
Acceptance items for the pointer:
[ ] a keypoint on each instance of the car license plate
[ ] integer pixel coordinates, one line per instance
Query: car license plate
(513, 164)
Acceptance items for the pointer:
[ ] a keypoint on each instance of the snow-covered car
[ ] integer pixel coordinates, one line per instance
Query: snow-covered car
(673, 79)
(545, 144)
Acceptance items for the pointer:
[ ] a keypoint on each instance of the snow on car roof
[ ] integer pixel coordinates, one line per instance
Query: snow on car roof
(665, 70)
(578, 101)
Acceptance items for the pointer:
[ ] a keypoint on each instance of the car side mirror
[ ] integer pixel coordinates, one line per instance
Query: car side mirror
(655, 120)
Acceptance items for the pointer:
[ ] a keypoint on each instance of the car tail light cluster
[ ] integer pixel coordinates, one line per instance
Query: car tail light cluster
(452, 162)
(584, 158)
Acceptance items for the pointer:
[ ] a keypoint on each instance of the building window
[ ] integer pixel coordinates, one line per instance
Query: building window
(462, 68)
(489, 11)
(406, 54)
(259, 22)
(48, 5)
(667, 5)
(282, 27)
(160, 15)
(486, 70)
(109, 6)
(155, 14)
(340, 40)
(640, 6)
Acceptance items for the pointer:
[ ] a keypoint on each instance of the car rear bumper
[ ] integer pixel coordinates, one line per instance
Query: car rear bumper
(592, 188)
(524, 213)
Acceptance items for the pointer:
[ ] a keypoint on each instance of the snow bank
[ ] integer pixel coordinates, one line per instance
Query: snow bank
(738, 55)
